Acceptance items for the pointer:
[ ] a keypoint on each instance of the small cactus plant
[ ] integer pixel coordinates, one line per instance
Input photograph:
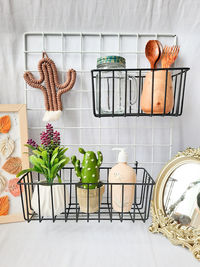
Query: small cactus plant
(89, 172)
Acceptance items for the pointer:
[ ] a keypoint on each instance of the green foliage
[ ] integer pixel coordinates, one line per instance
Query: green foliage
(46, 163)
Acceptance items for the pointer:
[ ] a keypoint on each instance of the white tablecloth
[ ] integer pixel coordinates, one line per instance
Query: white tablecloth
(90, 244)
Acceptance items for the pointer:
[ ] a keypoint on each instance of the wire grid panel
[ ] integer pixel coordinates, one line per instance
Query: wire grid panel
(147, 140)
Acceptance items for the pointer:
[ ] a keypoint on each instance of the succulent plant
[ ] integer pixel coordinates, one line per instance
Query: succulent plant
(49, 157)
(89, 172)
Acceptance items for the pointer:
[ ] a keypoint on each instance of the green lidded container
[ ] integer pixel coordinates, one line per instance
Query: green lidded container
(111, 62)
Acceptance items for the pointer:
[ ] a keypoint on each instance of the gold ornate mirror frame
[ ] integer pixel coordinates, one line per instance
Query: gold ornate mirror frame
(178, 234)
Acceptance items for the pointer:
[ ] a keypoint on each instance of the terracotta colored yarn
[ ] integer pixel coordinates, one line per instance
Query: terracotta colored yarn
(49, 75)
(4, 205)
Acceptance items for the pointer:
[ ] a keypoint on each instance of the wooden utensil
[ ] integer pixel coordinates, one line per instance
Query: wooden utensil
(160, 54)
(169, 55)
(152, 52)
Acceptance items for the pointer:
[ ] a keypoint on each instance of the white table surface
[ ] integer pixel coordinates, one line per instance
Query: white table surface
(88, 244)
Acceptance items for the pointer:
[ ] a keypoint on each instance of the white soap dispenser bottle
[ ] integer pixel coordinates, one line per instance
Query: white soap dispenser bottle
(122, 173)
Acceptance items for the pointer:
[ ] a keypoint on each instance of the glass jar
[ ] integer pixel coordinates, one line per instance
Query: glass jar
(110, 86)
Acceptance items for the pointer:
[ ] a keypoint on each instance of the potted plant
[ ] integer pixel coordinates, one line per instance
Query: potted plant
(89, 189)
(48, 159)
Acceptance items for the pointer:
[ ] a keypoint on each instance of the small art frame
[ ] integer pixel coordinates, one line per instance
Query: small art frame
(13, 157)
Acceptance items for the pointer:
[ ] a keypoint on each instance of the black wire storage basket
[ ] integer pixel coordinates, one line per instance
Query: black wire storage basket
(71, 209)
(116, 91)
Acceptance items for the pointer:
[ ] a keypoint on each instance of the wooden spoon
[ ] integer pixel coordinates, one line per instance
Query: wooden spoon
(160, 55)
(152, 52)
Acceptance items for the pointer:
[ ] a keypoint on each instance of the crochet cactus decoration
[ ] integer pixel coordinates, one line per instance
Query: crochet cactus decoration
(52, 96)
(89, 173)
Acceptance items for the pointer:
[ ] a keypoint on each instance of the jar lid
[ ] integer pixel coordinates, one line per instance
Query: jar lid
(111, 59)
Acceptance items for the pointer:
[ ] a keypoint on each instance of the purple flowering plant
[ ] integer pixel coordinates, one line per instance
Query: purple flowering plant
(49, 157)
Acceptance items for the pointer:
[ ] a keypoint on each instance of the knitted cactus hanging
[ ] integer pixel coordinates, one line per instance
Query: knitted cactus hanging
(52, 96)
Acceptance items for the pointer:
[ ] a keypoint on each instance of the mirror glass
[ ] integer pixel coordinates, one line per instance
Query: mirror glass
(182, 194)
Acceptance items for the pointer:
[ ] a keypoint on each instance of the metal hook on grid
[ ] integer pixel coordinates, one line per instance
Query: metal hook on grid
(43, 45)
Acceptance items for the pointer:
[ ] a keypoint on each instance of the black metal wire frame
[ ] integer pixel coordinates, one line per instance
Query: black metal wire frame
(178, 79)
(140, 207)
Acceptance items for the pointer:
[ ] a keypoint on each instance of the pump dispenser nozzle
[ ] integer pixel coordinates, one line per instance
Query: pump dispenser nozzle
(122, 157)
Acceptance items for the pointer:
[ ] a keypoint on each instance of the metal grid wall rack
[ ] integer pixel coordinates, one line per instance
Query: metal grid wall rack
(148, 140)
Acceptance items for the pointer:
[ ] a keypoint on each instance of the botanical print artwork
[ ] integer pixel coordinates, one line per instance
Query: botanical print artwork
(10, 164)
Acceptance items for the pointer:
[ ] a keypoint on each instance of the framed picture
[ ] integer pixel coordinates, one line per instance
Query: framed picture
(13, 136)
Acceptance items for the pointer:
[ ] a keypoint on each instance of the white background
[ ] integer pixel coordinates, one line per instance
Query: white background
(103, 244)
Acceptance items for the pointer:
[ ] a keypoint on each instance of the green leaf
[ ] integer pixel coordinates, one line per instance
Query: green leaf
(63, 150)
(29, 146)
(56, 160)
(55, 150)
(37, 153)
(45, 156)
(61, 157)
(24, 171)
(36, 161)
(41, 149)
(48, 170)
(55, 168)
(65, 162)
(36, 169)
(59, 178)
(53, 158)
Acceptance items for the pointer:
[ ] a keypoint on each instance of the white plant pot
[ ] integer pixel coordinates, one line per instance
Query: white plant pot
(46, 199)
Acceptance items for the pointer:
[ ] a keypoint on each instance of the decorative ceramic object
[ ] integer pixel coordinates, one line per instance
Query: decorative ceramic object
(3, 183)
(7, 146)
(158, 93)
(89, 173)
(45, 198)
(94, 194)
(13, 165)
(5, 124)
(49, 75)
(122, 173)
(4, 205)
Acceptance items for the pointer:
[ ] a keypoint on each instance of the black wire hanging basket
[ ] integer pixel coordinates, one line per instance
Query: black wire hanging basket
(138, 92)
(31, 188)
